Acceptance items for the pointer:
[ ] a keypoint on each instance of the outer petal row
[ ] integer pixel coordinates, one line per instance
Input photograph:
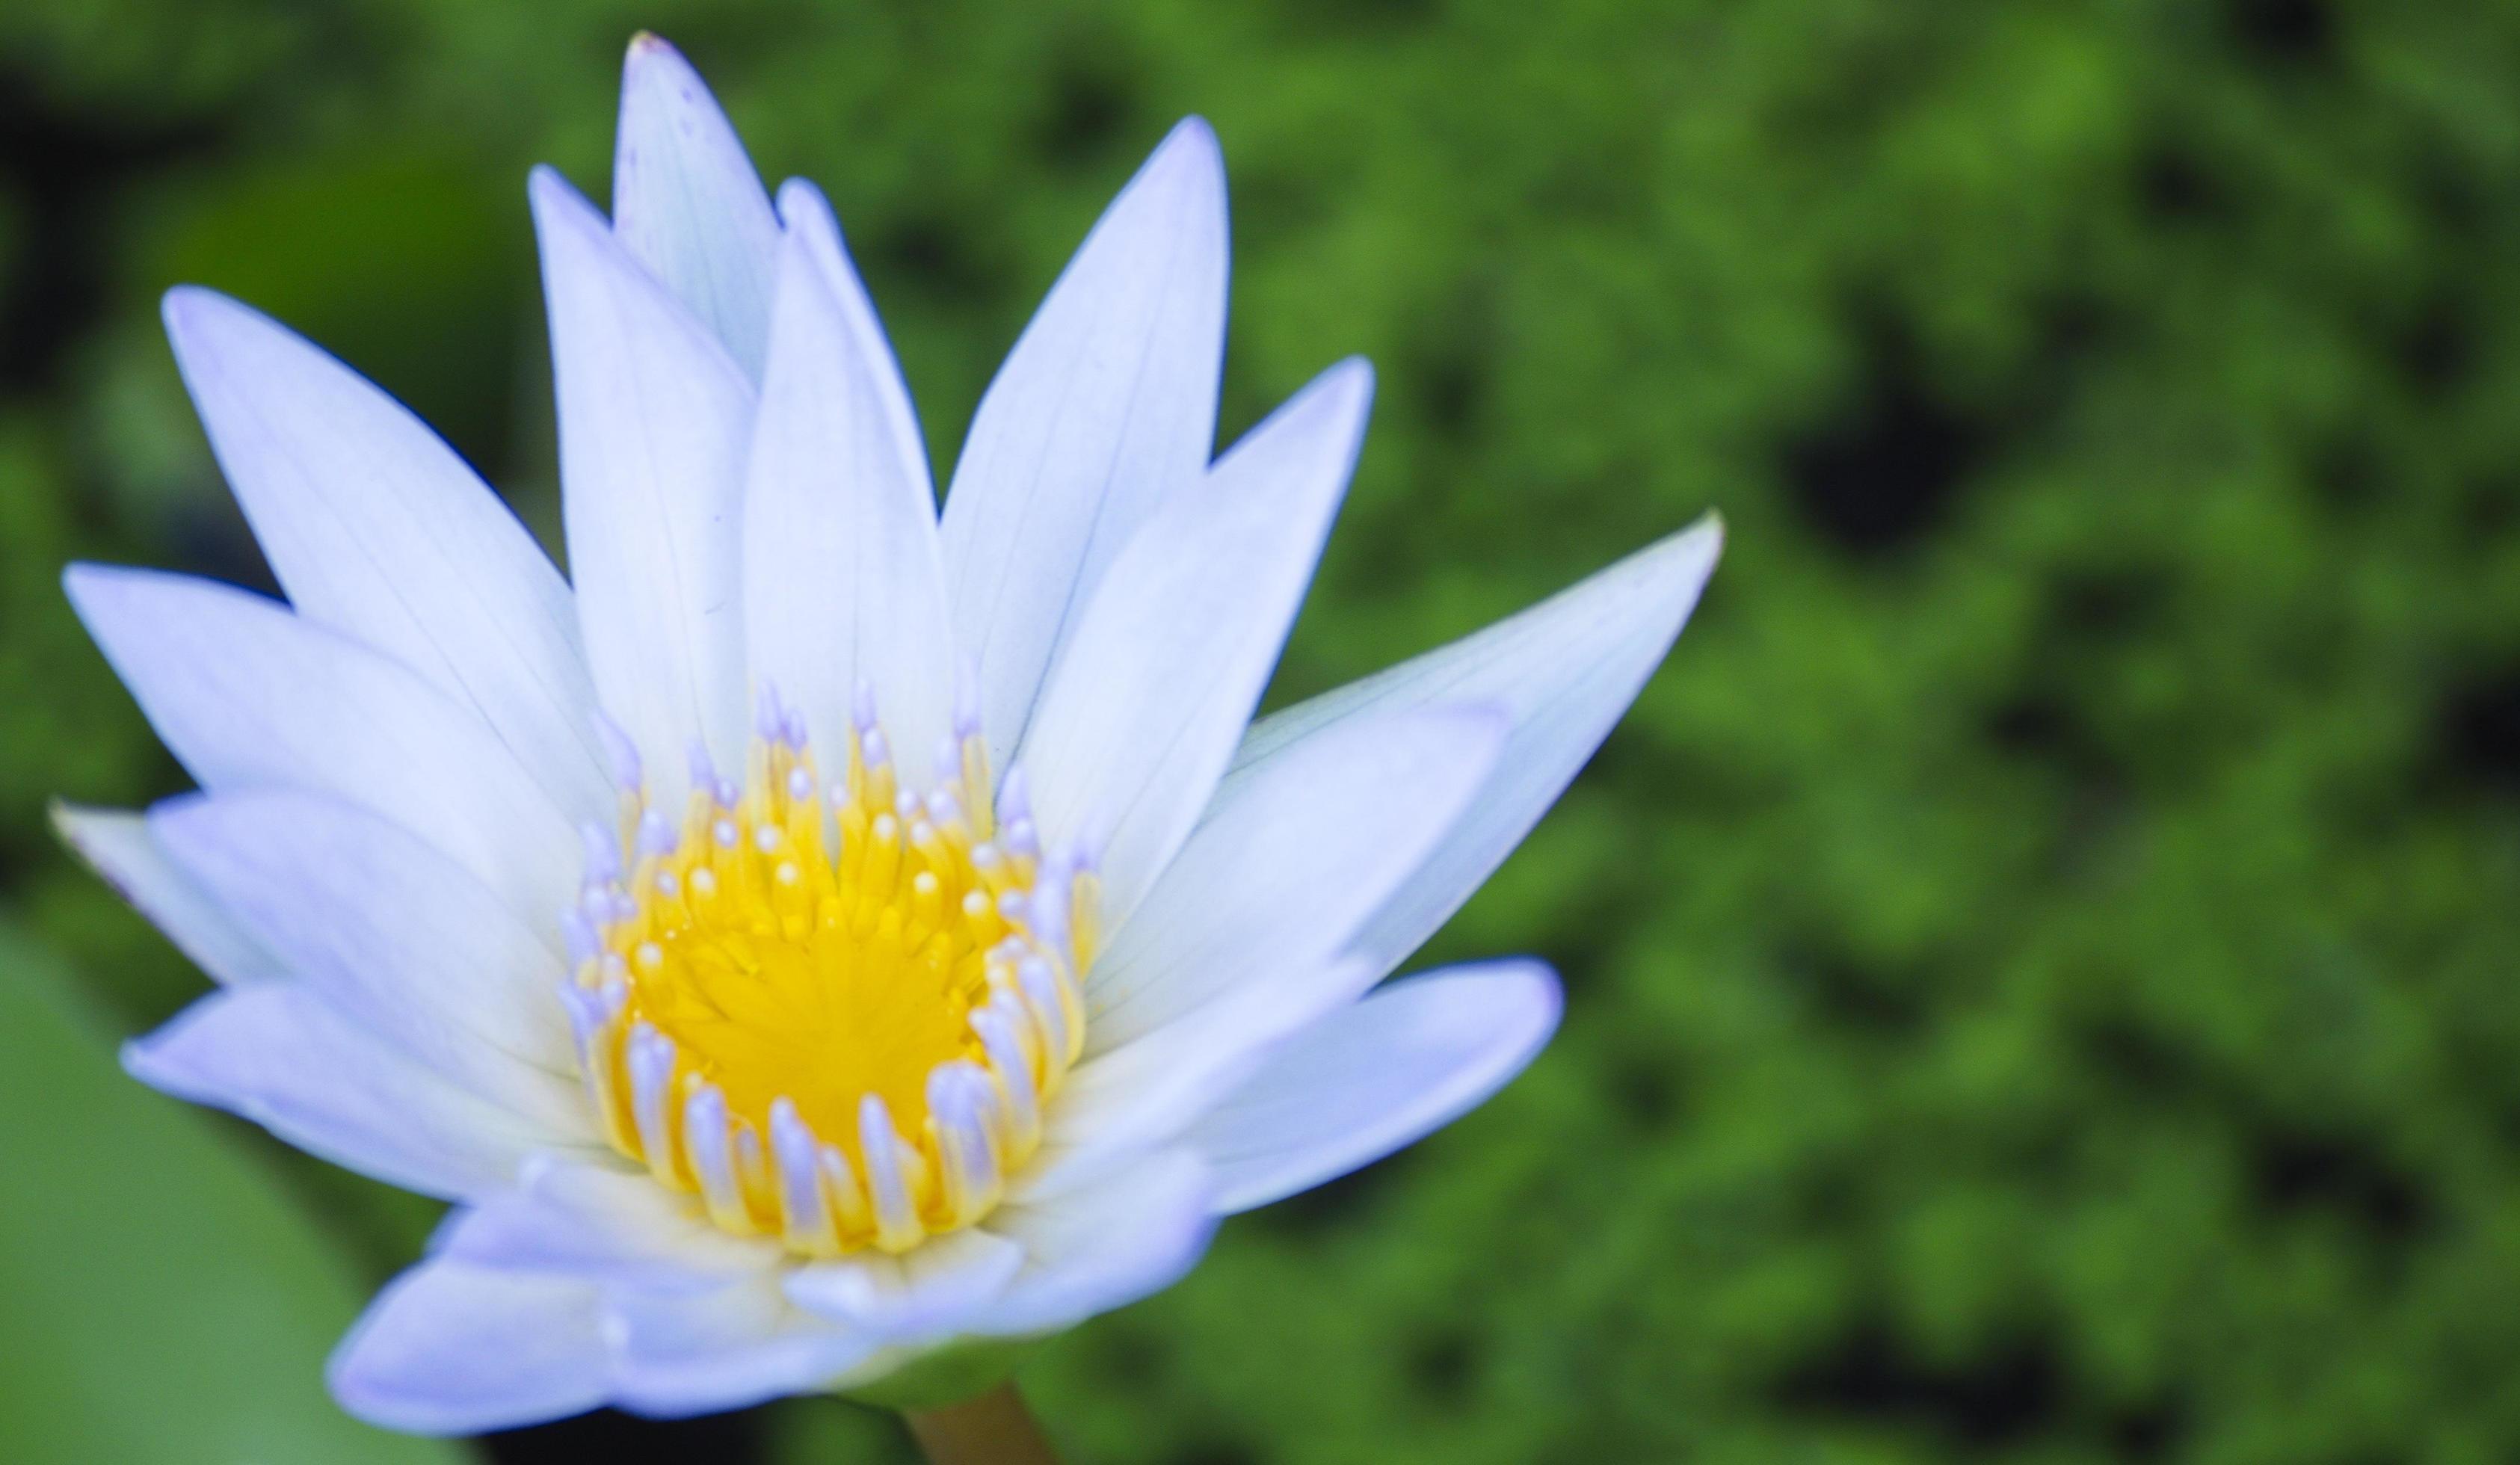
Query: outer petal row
(648, 1339)
(687, 202)
(117, 844)
(1375, 1076)
(286, 1057)
(1564, 670)
(376, 530)
(654, 421)
(1105, 406)
(843, 581)
(394, 934)
(249, 696)
(1150, 697)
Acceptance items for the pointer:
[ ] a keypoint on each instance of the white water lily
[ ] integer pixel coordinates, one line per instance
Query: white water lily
(819, 932)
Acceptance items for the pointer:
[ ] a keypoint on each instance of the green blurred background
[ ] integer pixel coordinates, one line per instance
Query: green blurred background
(2041, 957)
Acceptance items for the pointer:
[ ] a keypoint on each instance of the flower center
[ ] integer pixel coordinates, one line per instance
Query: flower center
(833, 1011)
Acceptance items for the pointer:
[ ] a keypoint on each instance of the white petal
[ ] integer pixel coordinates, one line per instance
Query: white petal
(1375, 1076)
(737, 1345)
(911, 1297)
(601, 1223)
(687, 202)
(116, 844)
(455, 1350)
(1100, 1247)
(279, 1054)
(397, 936)
(1106, 406)
(376, 528)
(654, 421)
(843, 579)
(1287, 861)
(1146, 705)
(248, 696)
(1144, 1093)
(1565, 668)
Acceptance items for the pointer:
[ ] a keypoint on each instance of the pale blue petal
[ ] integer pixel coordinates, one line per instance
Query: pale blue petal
(279, 1054)
(1565, 668)
(843, 580)
(1377, 1076)
(1105, 406)
(910, 1298)
(594, 1220)
(448, 1349)
(248, 696)
(115, 843)
(377, 529)
(1142, 713)
(739, 1345)
(398, 937)
(1289, 859)
(688, 203)
(1101, 1246)
(655, 420)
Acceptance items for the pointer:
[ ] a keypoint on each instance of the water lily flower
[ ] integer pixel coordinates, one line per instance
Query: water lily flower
(820, 936)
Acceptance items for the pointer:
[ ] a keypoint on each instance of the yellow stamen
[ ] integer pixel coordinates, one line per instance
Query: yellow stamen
(785, 991)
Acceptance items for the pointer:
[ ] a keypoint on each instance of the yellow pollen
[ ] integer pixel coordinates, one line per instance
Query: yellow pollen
(833, 1016)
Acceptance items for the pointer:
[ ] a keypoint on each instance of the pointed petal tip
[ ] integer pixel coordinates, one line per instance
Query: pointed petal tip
(560, 209)
(76, 825)
(185, 308)
(1693, 550)
(547, 188)
(1352, 375)
(87, 583)
(653, 61)
(1190, 162)
(802, 205)
(1194, 138)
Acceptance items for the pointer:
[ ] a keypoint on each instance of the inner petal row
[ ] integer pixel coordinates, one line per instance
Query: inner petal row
(832, 1011)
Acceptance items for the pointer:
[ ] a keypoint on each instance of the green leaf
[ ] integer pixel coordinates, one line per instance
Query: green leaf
(161, 1299)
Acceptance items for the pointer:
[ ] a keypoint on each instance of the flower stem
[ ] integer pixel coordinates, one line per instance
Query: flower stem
(993, 1429)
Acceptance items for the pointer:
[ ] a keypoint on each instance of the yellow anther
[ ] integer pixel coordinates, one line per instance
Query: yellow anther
(807, 948)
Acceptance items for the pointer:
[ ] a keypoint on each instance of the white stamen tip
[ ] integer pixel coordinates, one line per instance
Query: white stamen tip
(896, 1218)
(656, 834)
(862, 707)
(602, 855)
(619, 753)
(966, 697)
(578, 935)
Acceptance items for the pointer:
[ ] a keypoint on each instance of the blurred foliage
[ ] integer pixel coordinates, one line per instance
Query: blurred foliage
(2039, 959)
(164, 1304)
